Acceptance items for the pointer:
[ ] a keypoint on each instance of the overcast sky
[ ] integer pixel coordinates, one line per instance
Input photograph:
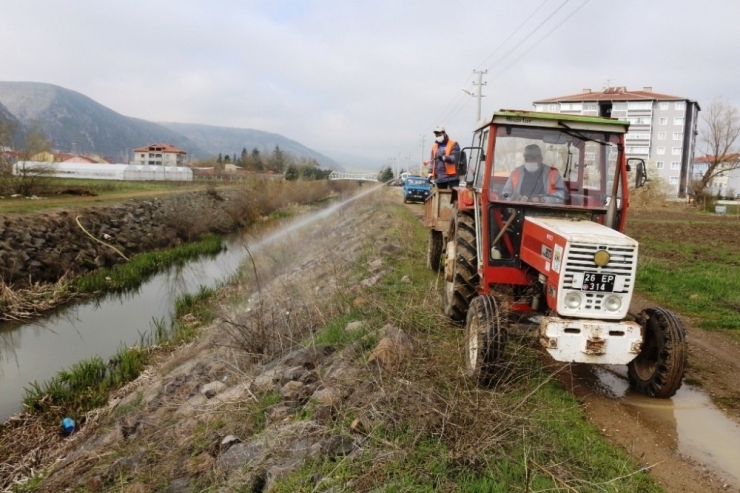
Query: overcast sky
(362, 81)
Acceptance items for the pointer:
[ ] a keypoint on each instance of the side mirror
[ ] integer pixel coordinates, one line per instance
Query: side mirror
(462, 164)
(640, 171)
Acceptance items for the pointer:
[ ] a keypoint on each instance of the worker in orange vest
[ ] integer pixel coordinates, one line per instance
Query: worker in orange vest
(534, 181)
(443, 165)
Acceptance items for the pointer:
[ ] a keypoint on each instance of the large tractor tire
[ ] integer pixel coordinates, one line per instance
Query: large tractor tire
(659, 368)
(434, 250)
(461, 266)
(485, 338)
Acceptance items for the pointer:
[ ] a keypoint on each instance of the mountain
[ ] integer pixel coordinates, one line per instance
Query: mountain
(228, 140)
(74, 122)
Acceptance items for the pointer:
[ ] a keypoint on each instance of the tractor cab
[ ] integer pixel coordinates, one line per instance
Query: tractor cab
(535, 236)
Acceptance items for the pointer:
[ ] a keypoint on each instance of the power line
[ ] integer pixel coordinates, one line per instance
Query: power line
(537, 28)
(458, 102)
(513, 33)
(501, 72)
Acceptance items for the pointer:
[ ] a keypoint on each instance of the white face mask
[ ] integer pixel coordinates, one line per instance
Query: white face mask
(440, 138)
(531, 167)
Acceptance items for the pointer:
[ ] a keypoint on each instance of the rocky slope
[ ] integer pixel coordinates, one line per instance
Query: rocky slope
(252, 399)
(46, 246)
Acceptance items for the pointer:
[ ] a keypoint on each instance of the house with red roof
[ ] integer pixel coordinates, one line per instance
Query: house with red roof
(663, 128)
(160, 155)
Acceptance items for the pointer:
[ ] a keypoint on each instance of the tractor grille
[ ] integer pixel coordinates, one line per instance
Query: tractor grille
(622, 262)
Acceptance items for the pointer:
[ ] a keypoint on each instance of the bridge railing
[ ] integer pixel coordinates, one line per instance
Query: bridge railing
(336, 175)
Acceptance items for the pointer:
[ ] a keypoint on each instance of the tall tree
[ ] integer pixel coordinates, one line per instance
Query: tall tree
(257, 164)
(244, 157)
(278, 160)
(386, 174)
(719, 137)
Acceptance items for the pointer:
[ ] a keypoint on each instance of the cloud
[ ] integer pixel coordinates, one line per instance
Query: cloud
(362, 81)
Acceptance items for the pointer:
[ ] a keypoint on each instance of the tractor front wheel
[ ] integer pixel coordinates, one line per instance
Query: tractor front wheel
(434, 250)
(461, 265)
(485, 338)
(659, 368)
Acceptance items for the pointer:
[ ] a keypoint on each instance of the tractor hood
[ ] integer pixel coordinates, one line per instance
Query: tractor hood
(589, 268)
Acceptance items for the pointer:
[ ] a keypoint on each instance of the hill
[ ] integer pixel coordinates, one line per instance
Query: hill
(74, 122)
(229, 140)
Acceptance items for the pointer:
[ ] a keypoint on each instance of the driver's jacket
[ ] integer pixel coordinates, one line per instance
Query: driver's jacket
(550, 177)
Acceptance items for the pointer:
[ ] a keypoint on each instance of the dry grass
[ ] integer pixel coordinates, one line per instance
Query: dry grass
(27, 303)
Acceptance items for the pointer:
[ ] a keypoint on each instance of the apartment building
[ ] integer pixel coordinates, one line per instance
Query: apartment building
(663, 128)
(160, 155)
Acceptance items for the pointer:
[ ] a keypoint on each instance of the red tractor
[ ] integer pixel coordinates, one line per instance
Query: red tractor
(535, 239)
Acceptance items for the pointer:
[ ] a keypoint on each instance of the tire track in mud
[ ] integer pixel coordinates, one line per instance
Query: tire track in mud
(654, 430)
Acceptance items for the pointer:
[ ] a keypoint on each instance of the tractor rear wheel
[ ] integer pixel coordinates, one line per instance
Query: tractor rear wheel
(659, 368)
(434, 250)
(461, 265)
(485, 338)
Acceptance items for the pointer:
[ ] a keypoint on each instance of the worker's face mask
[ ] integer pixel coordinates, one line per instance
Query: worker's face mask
(531, 166)
(440, 138)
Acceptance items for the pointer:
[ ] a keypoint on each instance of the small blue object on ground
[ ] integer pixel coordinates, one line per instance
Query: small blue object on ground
(68, 425)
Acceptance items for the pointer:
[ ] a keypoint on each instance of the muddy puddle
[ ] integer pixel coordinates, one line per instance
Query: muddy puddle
(690, 423)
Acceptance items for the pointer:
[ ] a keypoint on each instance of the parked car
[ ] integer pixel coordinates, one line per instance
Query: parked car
(416, 189)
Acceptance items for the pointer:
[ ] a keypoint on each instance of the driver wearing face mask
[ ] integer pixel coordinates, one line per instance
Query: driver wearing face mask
(534, 181)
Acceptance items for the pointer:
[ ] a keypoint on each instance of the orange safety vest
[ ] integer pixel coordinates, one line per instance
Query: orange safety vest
(553, 179)
(450, 168)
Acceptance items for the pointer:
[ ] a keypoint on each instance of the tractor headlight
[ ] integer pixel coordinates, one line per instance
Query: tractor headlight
(613, 303)
(573, 300)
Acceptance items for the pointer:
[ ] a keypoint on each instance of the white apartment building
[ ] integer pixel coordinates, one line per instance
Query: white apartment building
(663, 128)
(160, 155)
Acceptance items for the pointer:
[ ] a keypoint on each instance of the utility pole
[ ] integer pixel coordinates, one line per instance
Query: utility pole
(479, 92)
(421, 162)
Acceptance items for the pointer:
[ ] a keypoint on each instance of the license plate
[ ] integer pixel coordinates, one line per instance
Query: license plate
(593, 281)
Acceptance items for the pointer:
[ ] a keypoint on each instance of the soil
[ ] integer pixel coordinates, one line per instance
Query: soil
(714, 367)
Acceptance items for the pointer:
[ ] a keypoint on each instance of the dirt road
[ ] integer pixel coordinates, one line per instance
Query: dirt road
(690, 443)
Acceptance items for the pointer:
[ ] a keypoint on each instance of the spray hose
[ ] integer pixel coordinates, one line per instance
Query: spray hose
(77, 219)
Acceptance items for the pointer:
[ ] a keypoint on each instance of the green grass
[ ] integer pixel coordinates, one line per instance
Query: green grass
(708, 291)
(526, 434)
(696, 277)
(85, 385)
(131, 274)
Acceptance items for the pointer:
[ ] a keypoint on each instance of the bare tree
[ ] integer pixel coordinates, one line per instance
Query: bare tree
(719, 137)
(25, 180)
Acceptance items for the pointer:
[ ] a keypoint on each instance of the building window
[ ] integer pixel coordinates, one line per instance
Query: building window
(678, 121)
(570, 106)
(676, 151)
(674, 180)
(680, 105)
(661, 135)
(677, 135)
(639, 120)
(663, 121)
(591, 106)
(619, 106)
(659, 165)
(660, 150)
(553, 107)
(638, 136)
(539, 107)
(639, 105)
(636, 150)
(664, 106)
(675, 165)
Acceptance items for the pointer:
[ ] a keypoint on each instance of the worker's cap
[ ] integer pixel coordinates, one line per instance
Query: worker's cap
(532, 150)
(440, 129)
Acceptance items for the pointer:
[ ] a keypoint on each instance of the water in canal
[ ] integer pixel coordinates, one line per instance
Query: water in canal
(38, 350)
